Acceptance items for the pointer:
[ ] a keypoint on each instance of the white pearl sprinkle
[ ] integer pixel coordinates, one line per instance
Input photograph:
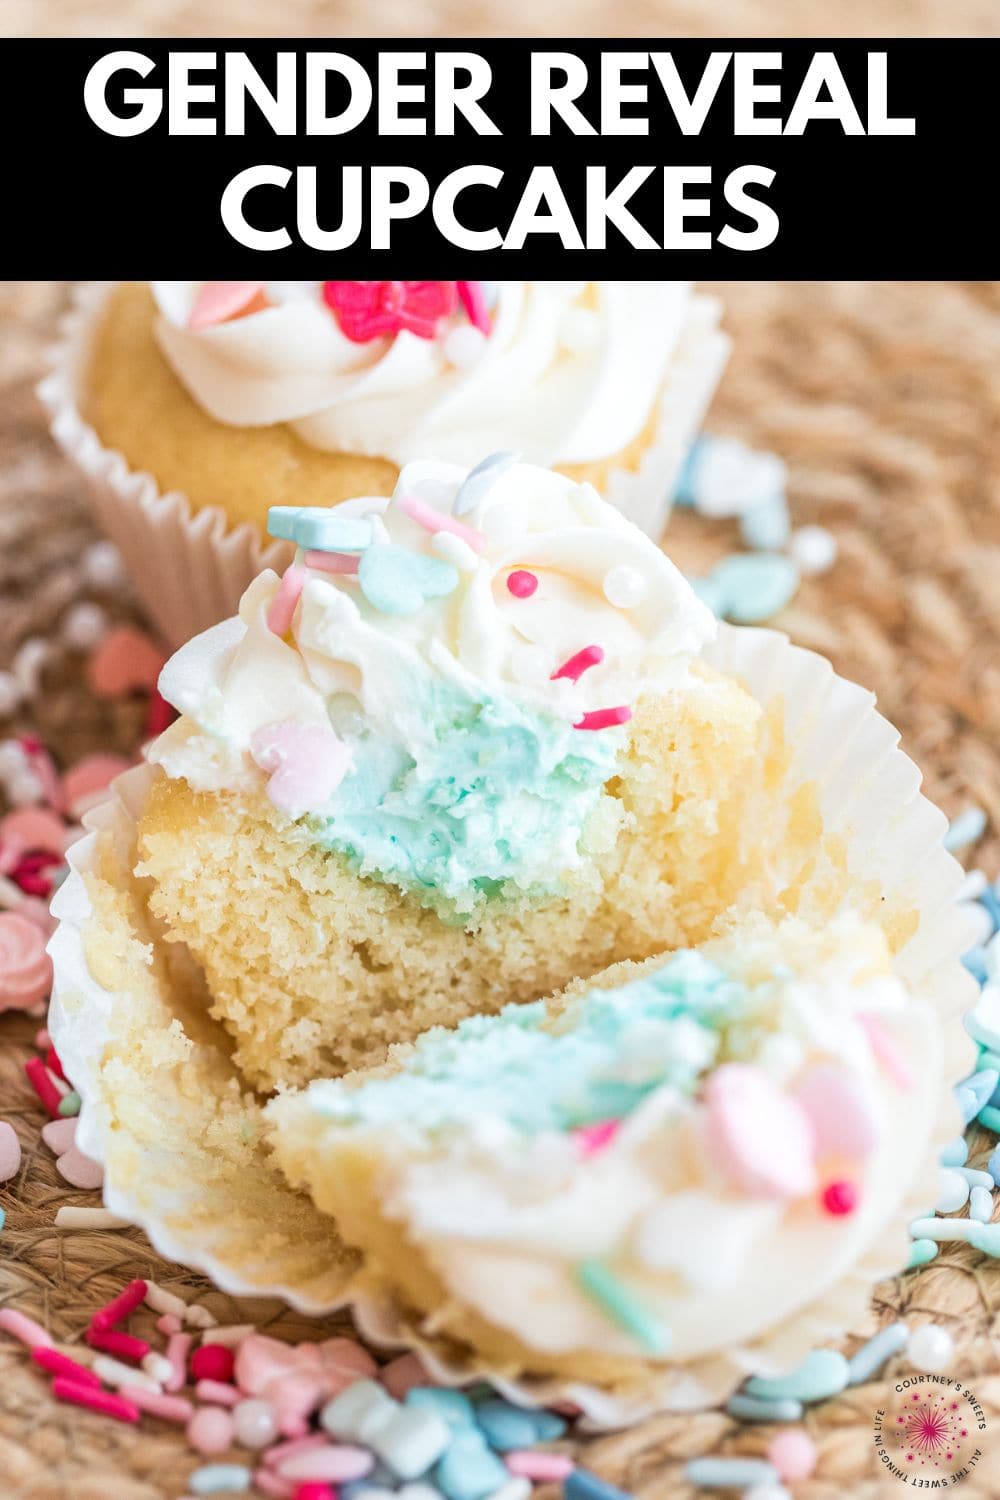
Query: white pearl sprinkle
(254, 1423)
(813, 548)
(102, 565)
(84, 625)
(10, 694)
(24, 789)
(464, 346)
(930, 1348)
(624, 586)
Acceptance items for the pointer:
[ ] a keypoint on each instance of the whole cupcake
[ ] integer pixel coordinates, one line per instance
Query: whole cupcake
(230, 397)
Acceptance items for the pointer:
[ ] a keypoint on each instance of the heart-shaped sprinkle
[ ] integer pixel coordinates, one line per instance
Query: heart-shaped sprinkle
(398, 582)
(318, 528)
(306, 763)
(218, 301)
(78, 1170)
(761, 1137)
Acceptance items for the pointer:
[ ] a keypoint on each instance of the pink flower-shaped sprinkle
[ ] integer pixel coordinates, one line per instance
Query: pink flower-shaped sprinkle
(379, 309)
(306, 763)
(25, 967)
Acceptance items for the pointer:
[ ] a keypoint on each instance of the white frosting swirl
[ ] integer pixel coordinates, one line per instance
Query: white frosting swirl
(561, 383)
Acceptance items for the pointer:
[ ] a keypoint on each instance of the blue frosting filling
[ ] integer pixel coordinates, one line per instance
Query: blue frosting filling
(598, 1061)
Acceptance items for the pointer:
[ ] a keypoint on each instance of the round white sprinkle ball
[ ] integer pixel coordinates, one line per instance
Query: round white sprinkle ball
(10, 693)
(102, 565)
(930, 1348)
(13, 759)
(24, 789)
(579, 330)
(813, 548)
(464, 346)
(84, 626)
(254, 1423)
(624, 586)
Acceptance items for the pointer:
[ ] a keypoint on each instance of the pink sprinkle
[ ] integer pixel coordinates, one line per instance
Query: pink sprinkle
(529, 1463)
(42, 1041)
(604, 718)
(212, 1362)
(126, 661)
(305, 764)
(435, 520)
(102, 1401)
(120, 1345)
(840, 1198)
(282, 606)
(793, 1454)
(24, 1329)
(281, 1451)
(886, 1052)
(159, 715)
(402, 1374)
(521, 583)
(272, 1484)
(332, 562)
(590, 1139)
(59, 1135)
(210, 1430)
(35, 828)
(310, 1491)
(169, 1323)
(86, 783)
(119, 1309)
(177, 1352)
(217, 1392)
(473, 299)
(332, 1462)
(590, 656)
(61, 1364)
(218, 301)
(170, 1408)
(44, 1086)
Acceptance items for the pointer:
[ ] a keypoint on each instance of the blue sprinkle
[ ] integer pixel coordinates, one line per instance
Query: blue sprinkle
(730, 1473)
(686, 483)
(993, 1165)
(621, 1305)
(991, 901)
(870, 1358)
(583, 1485)
(480, 480)
(756, 585)
(710, 592)
(981, 1204)
(398, 582)
(956, 1153)
(319, 529)
(822, 1373)
(508, 1427)
(921, 1252)
(753, 1409)
(986, 1239)
(968, 828)
(468, 1470)
(974, 1092)
(453, 1406)
(213, 1479)
(976, 1178)
(3, 1217)
(990, 1118)
(975, 962)
(766, 527)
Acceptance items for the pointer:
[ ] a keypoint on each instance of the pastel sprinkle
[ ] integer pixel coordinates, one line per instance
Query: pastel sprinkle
(521, 583)
(981, 1205)
(157, 1404)
(604, 718)
(887, 1054)
(435, 520)
(941, 1230)
(975, 1178)
(79, 1171)
(621, 1305)
(755, 585)
(823, 1373)
(766, 527)
(454, 1407)
(230, 1334)
(985, 1238)
(213, 1479)
(24, 1329)
(88, 1218)
(97, 1400)
(282, 607)
(869, 1359)
(398, 582)
(754, 1409)
(10, 1152)
(591, 1139)
(993, 1165)
(955, 1153)
(273, 1485)
(583, 1485)
(974, 1092)
(922, 1251)
(162, 1301)
(480, 480)
(218, 301)
(953, 1191)
(332, 562)
(761, 1136)
(793, 1454)
(210, 1430)
(177, 1352)
(539, 1466)
(320, 529)
(126, 661)
(968, 828)
(113, 1372)
(574, 668)
(69, 1105)
(990, 1117)
(217, 1392)
(327, 1463)
(473, 298)
(729, 1473)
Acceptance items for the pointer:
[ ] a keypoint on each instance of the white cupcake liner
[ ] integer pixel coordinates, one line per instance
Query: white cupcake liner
(190, 567)
(869, 796)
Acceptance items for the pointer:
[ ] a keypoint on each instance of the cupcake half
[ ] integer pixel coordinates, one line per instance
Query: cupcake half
(195, 406)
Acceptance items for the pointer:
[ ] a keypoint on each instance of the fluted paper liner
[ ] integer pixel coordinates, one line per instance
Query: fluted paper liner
(237, 1221)
(191, 566)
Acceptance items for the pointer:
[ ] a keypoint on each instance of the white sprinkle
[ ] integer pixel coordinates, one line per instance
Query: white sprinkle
(942, 1230)
(13, 759)
(972, 886)
(24, 789)
(197, 1316)
(10, 694)
(454, 550)
(230, 1335)
(102, 565)
(624, 586)
(968, 828)
(162, 1301)
(28, 663)
(979, 920)
(10, 894)
(953, 1191)
(731, 478)
(930, 1348)
(157, 1367)
(464, 346)
(813, 548)
(89, 1218)
(112, 1372)
(84, 625)
(981, 1205)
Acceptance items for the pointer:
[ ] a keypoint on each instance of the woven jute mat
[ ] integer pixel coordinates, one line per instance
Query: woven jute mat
(884, 399)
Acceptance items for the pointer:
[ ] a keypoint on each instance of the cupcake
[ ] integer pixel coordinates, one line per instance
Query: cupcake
(195, 406)
(658, 1166)
(460, 753)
